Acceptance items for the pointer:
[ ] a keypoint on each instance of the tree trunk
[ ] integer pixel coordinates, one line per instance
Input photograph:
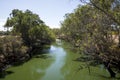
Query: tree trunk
(112, 73)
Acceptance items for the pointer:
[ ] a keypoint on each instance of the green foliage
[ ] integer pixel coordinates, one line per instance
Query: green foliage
(90, 29)
(111, 8)
(57, 32)
(12, 45)
(30, 27)
(40, 35)
(12, 51)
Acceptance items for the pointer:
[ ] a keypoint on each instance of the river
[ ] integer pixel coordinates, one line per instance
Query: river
(56, 63)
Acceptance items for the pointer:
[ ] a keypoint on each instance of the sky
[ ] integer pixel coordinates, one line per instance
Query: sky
(50, 11)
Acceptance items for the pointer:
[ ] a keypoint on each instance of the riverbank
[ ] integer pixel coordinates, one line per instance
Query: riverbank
(57, 63)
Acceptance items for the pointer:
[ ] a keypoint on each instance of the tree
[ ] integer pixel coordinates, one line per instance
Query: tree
(25, 24)
(40, 35)
(12, 50)
(110, 8)
(57, 32)
(91, 31)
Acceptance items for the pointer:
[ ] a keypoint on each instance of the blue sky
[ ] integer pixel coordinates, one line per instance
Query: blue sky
(50, 11)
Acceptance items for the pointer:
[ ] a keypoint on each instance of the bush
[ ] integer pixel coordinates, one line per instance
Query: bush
(11, 50)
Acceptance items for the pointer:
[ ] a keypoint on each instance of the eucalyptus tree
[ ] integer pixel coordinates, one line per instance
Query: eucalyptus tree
(24, 23)
(110, 8)
(92, 31)
(40, 35)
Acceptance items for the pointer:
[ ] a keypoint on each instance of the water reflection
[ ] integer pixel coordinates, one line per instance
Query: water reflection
(54, 71)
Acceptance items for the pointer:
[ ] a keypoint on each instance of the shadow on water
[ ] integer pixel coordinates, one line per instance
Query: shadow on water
(18, 63)
(108, 78)
(5, 73)
(104, 77)
(37, 53)
(42, 56)
(57, 62)
(42, 53)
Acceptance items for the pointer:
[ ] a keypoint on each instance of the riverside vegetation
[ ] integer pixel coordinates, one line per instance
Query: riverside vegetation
(93, 29)
(28, 33)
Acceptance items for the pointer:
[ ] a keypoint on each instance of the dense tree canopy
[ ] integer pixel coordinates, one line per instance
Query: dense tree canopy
(57, 32)
(28, 32)
(95, 31)
(108, 7)
(93, 28)
(30, 27)
(12, 50)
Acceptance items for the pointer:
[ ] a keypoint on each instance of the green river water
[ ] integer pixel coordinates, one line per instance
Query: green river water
(56, 63)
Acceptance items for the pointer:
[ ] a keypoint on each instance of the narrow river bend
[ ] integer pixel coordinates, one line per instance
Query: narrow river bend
(56, 63)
